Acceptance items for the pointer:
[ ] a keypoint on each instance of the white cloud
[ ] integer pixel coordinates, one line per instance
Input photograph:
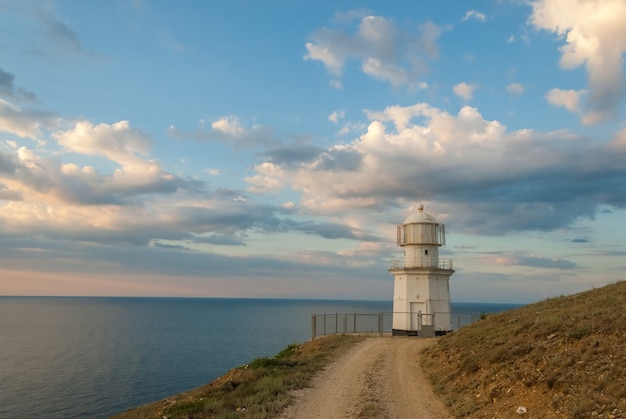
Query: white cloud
(336, 84)
(336, 116)
(117, 142)
(25, 123)
(333, 62)
(464, 91)
(511, 39)
(229, 126)
(595, 36)
(515, 88)
(397, 76)
(473, 14)
(477, 172)
(229, 130)
(384, 50)
(568, 99)
(269, 177)
(391, 160)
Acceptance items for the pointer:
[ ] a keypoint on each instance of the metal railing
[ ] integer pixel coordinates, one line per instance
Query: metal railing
(374, 323)
(425, 262)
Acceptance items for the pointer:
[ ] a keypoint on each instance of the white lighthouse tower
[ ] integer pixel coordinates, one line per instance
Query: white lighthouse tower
(421, 281)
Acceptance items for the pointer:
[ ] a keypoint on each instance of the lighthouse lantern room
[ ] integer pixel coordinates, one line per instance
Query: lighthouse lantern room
(421, 290)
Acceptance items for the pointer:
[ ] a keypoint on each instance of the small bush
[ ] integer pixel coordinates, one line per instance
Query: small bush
(262, 362)
(579, 332)
(288, 351)
(470, 364)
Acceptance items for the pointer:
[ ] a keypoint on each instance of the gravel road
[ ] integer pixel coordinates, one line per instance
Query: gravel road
(378, 378)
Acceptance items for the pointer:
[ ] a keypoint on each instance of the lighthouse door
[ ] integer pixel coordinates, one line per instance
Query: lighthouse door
(418, 311)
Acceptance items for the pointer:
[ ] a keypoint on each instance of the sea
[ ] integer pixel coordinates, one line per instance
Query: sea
(93, 357)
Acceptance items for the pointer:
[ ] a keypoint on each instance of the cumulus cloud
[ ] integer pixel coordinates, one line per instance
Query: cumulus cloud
(515, 88)
(335, 116)
(25, 123)
(473, 14)
(594, 35)
(464, 91)
(118, 141)
(568, 99)
(53, 191)
(385, 51)
(484, 177)
(229, 130)
(269, 177)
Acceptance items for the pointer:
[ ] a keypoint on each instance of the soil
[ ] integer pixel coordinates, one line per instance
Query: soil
(380, 377)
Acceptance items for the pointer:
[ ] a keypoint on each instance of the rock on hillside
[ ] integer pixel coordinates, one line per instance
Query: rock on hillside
(563, 357)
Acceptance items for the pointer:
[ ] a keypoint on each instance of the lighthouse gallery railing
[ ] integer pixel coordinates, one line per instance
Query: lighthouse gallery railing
(421, 263)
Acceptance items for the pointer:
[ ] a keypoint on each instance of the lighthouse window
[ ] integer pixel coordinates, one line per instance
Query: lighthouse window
(426, 251)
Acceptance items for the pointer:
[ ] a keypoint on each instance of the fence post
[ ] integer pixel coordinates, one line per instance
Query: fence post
(354, 327)
(336, 322)
(324, 324)
(313, 326)
(380, 324)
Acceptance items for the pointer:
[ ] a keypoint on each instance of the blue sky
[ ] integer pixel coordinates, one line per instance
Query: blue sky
(269, 148)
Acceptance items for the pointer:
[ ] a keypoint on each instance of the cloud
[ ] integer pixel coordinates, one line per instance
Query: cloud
(336, 84)
(229, 130)
(335, 116)
(292, 154)
(515, 88)
(118, 142)
(25, 123)
(62, 34)
(7, 165)
(568, 99)
(46, 34)
(594, 36)
(269, 177)
(330, 230)
(473, 14)
(484, 177)
(49, 182)
(522, 259)
(9, 91)
(385, 51)
(464, 91)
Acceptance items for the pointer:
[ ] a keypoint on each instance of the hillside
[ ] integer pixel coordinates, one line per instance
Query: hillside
(259, 389)
(563, 357)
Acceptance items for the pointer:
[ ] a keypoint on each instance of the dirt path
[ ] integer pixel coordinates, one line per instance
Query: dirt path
(380, 377)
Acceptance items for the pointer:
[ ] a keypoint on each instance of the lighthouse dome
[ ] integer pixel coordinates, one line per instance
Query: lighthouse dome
(420, 216)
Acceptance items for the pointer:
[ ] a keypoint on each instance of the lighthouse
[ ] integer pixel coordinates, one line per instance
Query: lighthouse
(421, 280)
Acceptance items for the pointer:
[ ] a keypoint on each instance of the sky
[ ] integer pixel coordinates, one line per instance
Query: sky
(268, 149)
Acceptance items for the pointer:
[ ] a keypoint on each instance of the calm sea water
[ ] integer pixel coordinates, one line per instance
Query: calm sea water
(94, 357)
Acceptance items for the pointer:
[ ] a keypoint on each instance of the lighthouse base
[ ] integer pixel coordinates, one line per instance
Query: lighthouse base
(426, 332)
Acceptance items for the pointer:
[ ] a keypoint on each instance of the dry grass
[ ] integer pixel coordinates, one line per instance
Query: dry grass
(560, 358)
(257, 390)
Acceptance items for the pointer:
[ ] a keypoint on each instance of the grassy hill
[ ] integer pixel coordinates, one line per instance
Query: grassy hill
(563, 357)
